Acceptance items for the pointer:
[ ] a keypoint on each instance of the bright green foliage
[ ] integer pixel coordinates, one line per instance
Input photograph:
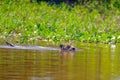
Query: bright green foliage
(24, 21)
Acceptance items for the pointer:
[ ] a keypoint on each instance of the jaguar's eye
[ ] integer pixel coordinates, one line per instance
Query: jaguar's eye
(68, 46)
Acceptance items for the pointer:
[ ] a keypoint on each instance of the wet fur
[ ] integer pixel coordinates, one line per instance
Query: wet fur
(67, 47)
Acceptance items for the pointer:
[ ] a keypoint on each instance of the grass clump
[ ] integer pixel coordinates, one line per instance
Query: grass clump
(24, 21)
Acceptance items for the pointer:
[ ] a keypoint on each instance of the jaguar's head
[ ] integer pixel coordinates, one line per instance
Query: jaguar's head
(67, 47)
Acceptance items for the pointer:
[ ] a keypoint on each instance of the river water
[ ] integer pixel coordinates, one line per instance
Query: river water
(91, 62)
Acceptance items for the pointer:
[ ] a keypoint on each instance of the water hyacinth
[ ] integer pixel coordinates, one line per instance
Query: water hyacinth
(31, 21)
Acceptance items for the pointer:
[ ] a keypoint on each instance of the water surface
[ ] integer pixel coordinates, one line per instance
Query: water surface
(93, 62)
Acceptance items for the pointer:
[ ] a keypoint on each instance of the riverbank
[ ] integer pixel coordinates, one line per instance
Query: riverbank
(23, 21)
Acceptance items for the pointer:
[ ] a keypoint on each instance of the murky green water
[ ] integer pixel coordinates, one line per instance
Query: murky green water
(93, 62)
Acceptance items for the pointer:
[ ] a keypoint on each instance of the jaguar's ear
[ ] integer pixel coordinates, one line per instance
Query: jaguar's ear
(68, 46)
(61, 45)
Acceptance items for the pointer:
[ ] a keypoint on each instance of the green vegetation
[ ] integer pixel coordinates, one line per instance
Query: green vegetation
(24, 21)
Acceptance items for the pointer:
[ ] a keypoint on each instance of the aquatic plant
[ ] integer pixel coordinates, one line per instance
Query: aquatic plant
(23, 21)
